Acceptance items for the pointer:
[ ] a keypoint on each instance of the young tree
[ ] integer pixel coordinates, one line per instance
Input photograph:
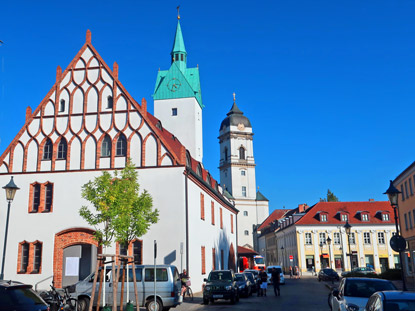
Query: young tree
(330, 197)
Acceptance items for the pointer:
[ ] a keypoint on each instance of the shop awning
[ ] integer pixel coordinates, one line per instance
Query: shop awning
(325, 255)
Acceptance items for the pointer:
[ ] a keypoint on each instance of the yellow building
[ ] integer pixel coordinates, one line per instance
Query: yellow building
(317, 238)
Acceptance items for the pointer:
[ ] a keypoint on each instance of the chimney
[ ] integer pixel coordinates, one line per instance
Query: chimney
(302, 207)
(88, 36)
(28, 113)
(115, 70)
(371, 200)
(144, 106)
(58, 74)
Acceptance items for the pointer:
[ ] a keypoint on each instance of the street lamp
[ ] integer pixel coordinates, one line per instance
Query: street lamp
(348, 228)
(11, 189)
(329, 243)
(397, 242)
(321, 254)
(282, 255)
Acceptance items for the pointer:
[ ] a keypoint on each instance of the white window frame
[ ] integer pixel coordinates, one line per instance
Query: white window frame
(322, 237)
(308, 238)
(381, 238)
(366, 237)
(336, 238)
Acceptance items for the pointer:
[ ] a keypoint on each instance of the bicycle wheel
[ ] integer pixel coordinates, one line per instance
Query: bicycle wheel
(189, 293)
(71, 304)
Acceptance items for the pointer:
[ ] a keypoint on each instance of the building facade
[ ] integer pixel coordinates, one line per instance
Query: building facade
(88, 123)
(405, 183)
(237, 174)
(302, 239)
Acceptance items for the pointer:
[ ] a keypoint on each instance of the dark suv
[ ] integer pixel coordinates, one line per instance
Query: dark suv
(221, 284)
(16, 296)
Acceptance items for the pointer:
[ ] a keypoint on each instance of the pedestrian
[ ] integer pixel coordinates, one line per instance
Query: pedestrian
(291, 272)
(275, 278)
(264, 282)
(297, 272)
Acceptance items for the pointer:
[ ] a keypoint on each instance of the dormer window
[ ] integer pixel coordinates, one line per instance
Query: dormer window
(365, 217)
(323, 217)
(188, 160)
(199, 170)
(110, 102)
(344, 217)
(208, 179)
(385, 217)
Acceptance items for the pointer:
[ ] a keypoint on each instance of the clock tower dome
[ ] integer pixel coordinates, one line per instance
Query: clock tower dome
(178, 99)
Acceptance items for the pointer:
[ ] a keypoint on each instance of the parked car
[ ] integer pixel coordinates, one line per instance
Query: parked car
(353, 293)
(244, 285)
(16, 296)
(328, 274)
(391, 301)
(252, 280)
(279, 269)
(359, 270)
(168, 287)
(221, 284)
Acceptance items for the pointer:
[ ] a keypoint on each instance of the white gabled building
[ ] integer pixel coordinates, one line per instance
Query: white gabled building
(86, 124)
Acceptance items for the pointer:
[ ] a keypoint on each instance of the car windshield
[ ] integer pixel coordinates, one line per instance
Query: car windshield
(220, 276)
(250, 276)
(269, 270)
(254, 272)
(394, 305)
(259, 261)
(365, 288)
(19, 297)
(328, 271)
(239, 277)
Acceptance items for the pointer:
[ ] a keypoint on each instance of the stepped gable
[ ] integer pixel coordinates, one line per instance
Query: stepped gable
(76, 109)
(354, 209)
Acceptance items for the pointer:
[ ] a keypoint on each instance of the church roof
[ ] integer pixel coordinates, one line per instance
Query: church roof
(234, 117)
(260, 197)
(178, 45)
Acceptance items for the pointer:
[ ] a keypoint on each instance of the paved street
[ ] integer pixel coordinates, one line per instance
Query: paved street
(304, 294)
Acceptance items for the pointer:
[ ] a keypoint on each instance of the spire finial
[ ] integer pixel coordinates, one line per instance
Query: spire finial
(178, 12)
(234, 97)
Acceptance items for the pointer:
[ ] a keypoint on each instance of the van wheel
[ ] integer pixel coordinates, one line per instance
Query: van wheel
(151, 306)
(83, 304)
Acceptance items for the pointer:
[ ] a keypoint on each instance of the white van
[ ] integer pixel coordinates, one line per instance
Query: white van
(279, 269)
(167, 291)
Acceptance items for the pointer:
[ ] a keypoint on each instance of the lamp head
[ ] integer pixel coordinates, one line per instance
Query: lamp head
(328, 240)
(347, 227)
(393, 194)
(11, 189)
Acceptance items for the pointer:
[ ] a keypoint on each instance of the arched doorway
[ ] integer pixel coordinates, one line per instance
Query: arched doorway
(75, 255)
(231, 258)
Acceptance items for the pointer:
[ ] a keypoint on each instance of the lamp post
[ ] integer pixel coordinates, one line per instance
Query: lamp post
(282, 255)
(11, 189)
(321, 255)
(397, 242)
(329, 243)
(348, 228)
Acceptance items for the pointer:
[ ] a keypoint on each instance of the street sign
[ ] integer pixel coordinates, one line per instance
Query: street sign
(291, 257)
(398, 243)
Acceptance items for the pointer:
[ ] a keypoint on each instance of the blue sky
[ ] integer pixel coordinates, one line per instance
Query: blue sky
(328, 85)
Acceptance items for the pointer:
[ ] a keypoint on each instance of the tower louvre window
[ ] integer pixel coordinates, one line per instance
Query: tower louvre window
(121, 146)
(182, 57)
(48, 150)
(62, 149)
(106, 147)
(242, 153)
(177, 57)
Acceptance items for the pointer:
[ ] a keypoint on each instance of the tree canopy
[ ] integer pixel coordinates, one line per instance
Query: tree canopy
(330, 197)
(121, 211)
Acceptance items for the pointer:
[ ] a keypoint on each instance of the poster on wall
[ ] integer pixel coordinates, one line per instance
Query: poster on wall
(72, 266)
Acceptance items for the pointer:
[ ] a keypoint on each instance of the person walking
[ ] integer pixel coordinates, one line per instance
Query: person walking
(291, 272)
(297, 272)
(275, 278)
(264, 282)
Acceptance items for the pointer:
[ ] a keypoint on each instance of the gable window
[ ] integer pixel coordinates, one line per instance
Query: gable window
(323, 217)
(344, 217)
(62, 105)
(37, 260)
(336, 238)
(246, 232)
(121, 149)
(243, 191)
(385, 216)
(174, 111)
(242, 153)
(381, 238)
(36, 197)
(48, 197)
(366, 237)
(308, 240)
(245, 213)
(106, 147)
(110, 102)
(48, 150)
(352, 238)
(322, 237)
(62, 149)
(365, 217)
(24, 251)
(137, 251)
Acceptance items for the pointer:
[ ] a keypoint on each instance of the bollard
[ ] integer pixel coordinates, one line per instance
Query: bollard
(106, 308)
(129, 306)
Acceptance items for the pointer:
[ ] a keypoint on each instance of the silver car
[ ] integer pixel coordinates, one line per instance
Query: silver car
(391, 301)
(167, 290)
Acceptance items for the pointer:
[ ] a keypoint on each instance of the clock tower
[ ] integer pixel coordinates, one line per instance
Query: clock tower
(178, 99)
(237, 173)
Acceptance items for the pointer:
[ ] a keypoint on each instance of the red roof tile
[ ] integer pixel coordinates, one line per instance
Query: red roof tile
(244, 251)
(353, 209)
(275, 215)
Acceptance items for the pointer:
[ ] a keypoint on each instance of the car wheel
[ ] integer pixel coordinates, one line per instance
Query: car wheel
(205, 301)
(83, 304)
(151, 306)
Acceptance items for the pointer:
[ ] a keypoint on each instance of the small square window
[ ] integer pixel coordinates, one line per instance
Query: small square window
(365, 217)
(174, 111)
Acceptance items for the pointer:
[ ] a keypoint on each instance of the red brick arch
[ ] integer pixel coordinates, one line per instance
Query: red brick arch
(67, 238)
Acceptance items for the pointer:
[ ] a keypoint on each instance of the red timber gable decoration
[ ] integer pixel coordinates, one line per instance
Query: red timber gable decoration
(86, 104)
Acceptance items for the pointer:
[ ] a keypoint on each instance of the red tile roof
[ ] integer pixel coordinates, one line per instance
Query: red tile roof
(353, 209)
(245, 251)
(275, 215)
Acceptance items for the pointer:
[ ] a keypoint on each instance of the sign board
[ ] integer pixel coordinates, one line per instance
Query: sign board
(291, 257)
(398, 243)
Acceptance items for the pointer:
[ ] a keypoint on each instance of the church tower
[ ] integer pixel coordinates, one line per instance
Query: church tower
(178, 99)
(237, 173)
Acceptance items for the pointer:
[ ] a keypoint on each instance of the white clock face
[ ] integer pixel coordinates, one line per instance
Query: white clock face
(241, 127)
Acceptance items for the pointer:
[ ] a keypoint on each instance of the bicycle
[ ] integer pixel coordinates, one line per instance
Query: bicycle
(58, 302)
(188, 291)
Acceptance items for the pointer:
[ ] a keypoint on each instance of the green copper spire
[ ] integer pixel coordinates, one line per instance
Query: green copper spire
(178, 53)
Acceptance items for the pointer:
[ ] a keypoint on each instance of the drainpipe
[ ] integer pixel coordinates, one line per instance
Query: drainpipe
(187, 222)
